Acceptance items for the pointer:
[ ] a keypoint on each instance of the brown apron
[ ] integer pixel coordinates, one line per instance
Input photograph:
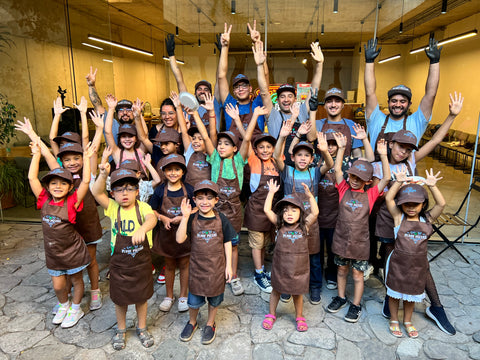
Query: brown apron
(328, 199)
(313, 235)
(229, 203)
(88, 223)
(198, 169)
(387, 136)
(144, 174)
(351, 238)
(255, 218)
(291, 261)
(206, 275)
(245, 119)
(131, 279)
(158, 167)
(64, 247)
(408, 264)
(344, 129)
(164, 241)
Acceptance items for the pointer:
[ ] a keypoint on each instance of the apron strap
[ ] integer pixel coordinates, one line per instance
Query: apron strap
(119, 219)
(293, 178)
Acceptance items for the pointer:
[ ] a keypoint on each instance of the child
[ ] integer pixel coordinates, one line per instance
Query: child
(131, 238)
(211, 236)
(65, 251)
(351, 240)
(407, 265)
(290, 266)
(165, 202)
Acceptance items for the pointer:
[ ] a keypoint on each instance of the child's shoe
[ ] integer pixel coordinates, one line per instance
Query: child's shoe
(145, 337)
(331, 285)
(208, 335)
(60, 314)
(182, 304)
(188, 331)
(166, 304)
(386, 308)
(72, 318)
(285, 298)
(315, 296)
(353, 313)
(161, 276)
(118, 341)
(368, 272)
(95, 299)
(336, 304)
(262, 282)
(237, 288)
(153, 269)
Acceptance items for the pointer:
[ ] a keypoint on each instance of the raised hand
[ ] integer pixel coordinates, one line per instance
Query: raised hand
(91, 77)
(254, 33)
(433, 51)
(400, 173)
(89, 150)
(286, 128)
(106, 154)
(305, 128)
(25, 127)
(185, 207)
(137, 107)
(382, 147)
(232, 111)
(306, 189)
(208, 105)
(313, 102)
(225, 38)
(175, 99)
(456, 104)
(360, 131)
(170, 44)
(431, 180)
(273, 187)
(295, 110)
(104, 169)
(340, 139)
(111, 101)
(316, 53)
(258, 53)
(57, 106)
(34, 147)
(82, 107)
(147, 159)
(96, 118)
(322, 142)
(260, 110)
(371, 51)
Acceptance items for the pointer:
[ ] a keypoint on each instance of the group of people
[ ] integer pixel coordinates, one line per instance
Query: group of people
(176, 190)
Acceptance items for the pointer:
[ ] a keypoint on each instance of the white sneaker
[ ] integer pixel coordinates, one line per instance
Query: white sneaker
(237, 288)
(368, 272)
(331, 285)
(55, 308)
(166, 304)
(182, 304)
(95, 299)
(72, 318)
(60, 314)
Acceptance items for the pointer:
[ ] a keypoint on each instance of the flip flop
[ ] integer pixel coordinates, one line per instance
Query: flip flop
(268, 322)
(301, 324)
(411, 331)
(395, 328)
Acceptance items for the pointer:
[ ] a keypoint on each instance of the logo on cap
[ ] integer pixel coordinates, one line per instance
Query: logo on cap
(361, 167)
(67, 145)
(124, 172)
(409, 190)
(67, 133)
(57, 171)
(208, 182)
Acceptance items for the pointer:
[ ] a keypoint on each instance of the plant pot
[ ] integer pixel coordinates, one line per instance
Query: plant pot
(8, 200)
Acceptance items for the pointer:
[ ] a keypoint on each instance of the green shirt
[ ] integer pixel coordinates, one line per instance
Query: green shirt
(227, 172)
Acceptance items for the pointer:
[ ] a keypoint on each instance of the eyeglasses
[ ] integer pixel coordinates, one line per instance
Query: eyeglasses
(171, 113)
(120, 190)
(241, 86)
(125, 110)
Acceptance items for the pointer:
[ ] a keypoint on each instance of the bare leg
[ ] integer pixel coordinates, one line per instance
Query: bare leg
(257, 258)
(342, 273)
(212, 312)
(298, 302)
(358, 285)
(142, 314)
(59, 285)
(234, 260)
(193, 315)
(393, 305)
(274, 299)
(408, 307)
(170, 266)
(77, 280)
(183, 264)
(92, 269)
(121, 313)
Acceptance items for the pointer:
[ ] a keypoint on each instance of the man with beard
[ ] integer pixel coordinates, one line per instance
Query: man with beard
(201, 88)
(380, 125)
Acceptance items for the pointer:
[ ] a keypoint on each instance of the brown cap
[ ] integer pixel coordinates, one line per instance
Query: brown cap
(402, 90)
(70, 147)
(240, 78)
(303, 145)
(206, 185)
(123, 174)
(205, 83)
(127, 129)
(130, 165)
(292, 199)
(123, 104)
(329, 134)
(264, 137)
(58, 172)
(286, 87)
(334, 92)
(174, 159)
(68, 136)
(229, 135)
(363, 169)
(405, 137)
(414, 193)
(167, 135)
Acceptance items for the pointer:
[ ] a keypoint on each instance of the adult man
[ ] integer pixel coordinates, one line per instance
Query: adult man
(399, 98)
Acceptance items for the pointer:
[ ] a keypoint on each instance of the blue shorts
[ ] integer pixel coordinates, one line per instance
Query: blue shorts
(236, 241)
(94, 242)
(196, 301)
(386, 240)
(66, 272)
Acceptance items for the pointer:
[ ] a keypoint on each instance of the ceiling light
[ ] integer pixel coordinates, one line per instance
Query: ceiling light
(323, 30)
(394, 57)
(107, 60)
(181, 62)
(121, 46)
(444, 6)
(176, 30)
(448, 40)
(304, 61)
(335, 6)
(92, 46)
(232, 7)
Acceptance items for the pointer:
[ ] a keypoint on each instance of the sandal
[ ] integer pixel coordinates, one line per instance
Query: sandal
(145, 337)
(118, 341)
(301, 324)
(268, 322)
(411, 331)
(395, 328)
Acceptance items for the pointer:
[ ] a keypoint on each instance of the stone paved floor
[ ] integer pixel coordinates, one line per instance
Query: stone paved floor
(27, 297)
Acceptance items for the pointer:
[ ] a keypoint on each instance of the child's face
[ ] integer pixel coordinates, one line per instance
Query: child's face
(356, 183)
(264, 150)
(302, 158)
(59, 188)
(205, 201)
(173, 173)
(128, 141)
(412, 209)
(225, 148)
(332, 147)
(400, 152)
(168, 148)
(291, 214)
(73, 162)
(198, 145)
(125, 194)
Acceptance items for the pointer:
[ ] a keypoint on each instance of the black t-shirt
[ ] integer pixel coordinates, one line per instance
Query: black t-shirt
(157, 198)
(229, 233)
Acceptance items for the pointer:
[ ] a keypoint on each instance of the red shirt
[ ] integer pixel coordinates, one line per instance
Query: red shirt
(372, 193)
(71, 200)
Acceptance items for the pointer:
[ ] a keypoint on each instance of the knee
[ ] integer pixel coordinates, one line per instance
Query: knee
(357, 275)
(342, 271)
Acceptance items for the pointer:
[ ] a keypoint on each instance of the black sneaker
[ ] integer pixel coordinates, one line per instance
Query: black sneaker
(315, 296)
(208, 334)
(353, 313)
(437, 314)
(285, 298)
(336, 304)
(188, 331)
(386, 308)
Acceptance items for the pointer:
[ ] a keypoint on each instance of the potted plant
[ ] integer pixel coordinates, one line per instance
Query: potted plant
(12, 184)
(8, 114)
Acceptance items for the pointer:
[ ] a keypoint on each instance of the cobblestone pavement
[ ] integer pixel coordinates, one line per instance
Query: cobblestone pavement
(27, 297)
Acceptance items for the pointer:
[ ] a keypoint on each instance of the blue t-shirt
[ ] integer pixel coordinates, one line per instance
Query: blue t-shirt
(356, 143)
(310, 177)
(242, 110)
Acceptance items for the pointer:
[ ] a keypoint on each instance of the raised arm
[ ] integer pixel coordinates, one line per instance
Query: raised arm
(182, 123)
(92, 91)
(323, 147)
(177, 73)
(362, 135)
(267, 207)
(186, 209)
(317, 56)
(371, 53)
(89, 151)
(35, 183)
(212, 117)
(147, 161)
(233, 112)
(112, 103)
(401, 177)
(303, 129)
(433, 78)
(98, 189)
(58, 110)
(140, 126)
(341, 143)
(382, 150)
(223, 86)
(260, 60)
(279, 147)
(97, 119)
(431, 182)
(82, 107)
(313, 106)
(312, 217)
(246, 145)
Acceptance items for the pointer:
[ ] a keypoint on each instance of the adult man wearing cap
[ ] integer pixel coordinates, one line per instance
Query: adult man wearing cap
(399, 98)
(202, 87)
(334, 102)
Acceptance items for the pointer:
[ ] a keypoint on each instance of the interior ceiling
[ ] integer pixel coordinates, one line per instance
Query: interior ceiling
(290, 24)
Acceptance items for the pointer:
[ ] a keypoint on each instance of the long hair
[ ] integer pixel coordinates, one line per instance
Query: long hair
(423, 211)
(281, 222)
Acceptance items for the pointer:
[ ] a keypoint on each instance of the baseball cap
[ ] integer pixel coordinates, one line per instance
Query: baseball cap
(174, 159)
(286, 87)
(70, 148)
(127, 129)
(58, 172)
(229, 135)
(203, 82)
(334, 92)
(402, 90)
(414, 193)
(329, 134)
(292, 199)
(264, 137)
(239, 78)
(206, 185)
(303, 145)
(363, 169)
(167, 135)
(123, 174)
(68, 136)
(405, 137)
(123, 104)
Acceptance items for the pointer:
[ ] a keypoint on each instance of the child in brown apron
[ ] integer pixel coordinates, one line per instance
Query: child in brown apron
(290, 266)
(351, 241)
(132, 222)
(407, 265)
(165, 202)
(211, 235)
(65, 251)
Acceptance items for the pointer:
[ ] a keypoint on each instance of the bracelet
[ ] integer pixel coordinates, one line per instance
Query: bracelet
(298, 137)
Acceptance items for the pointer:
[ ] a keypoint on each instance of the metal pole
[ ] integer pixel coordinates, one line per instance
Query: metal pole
(376, 21)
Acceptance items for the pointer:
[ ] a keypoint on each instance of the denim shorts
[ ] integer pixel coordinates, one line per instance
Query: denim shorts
(95, 242)
(196, 301)
(360, 265)
(386, 240)
(236, 241)
(66, 272)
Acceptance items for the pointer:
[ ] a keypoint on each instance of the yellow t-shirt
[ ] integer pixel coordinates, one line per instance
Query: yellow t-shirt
(129, 220)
